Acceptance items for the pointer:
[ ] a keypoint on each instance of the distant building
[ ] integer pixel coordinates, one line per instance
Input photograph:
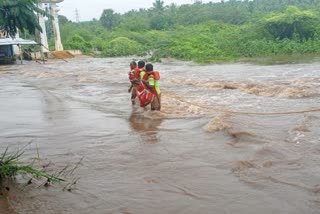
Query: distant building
(6, 49)
(10, 49)
(6, 54)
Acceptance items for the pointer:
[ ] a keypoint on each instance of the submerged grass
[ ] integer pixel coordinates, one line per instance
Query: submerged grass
(10, 167)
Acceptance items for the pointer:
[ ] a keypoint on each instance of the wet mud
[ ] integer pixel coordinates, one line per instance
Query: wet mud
(192, 157)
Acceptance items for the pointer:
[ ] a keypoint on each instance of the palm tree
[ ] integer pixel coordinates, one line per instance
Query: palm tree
(109, 19)
(158, 6)
(19, 15)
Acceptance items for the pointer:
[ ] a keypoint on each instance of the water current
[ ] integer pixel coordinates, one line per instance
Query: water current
(192, 157)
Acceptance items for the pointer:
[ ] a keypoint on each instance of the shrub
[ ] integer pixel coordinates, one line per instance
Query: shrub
(122, 46)
(78, 42)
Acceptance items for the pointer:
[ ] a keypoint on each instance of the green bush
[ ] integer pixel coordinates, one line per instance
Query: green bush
(122, 46)
(78, 42)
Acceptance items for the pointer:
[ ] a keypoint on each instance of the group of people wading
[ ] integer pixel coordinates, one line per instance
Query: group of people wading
(145, 85)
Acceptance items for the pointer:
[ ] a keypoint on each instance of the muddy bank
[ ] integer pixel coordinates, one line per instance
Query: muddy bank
(187, 158)
(4, 205)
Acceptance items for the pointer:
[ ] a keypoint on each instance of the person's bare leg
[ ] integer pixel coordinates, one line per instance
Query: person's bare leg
(133, 96)
(156, 103)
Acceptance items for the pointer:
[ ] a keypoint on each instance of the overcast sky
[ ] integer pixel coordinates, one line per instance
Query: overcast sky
(89, 9)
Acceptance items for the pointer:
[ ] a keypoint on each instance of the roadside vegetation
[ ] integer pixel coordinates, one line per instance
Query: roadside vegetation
(39, 171)
(201, 32)
(10, 167)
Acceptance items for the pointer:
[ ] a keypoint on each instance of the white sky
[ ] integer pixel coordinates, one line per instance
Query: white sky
(89, 9)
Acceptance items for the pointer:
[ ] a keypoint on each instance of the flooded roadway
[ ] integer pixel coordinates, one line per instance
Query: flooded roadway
(192, 157)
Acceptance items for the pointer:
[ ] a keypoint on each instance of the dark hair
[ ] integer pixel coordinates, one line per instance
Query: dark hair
(149, 67)
(133, 63)
(141, 64)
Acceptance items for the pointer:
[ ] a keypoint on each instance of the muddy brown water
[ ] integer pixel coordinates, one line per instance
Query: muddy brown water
(188, 158)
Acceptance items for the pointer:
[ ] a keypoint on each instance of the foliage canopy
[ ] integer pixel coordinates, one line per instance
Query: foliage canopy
(205, 32)
(19, 14)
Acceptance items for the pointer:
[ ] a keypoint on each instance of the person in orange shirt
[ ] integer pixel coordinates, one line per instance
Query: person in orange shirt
(134, 77)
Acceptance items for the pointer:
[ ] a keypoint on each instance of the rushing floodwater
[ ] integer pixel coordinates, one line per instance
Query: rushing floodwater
(189, 158)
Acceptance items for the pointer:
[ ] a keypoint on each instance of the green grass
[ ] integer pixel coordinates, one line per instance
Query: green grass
(10, 167)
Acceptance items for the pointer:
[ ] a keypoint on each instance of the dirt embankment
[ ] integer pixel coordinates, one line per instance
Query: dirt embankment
(60, 55)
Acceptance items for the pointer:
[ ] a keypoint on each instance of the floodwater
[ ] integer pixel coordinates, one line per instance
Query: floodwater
(192, 157)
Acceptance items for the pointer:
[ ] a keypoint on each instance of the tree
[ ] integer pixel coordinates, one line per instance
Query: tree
(135, 23)
(21, 15)
(63, 20)
(109, 19)
(158, 6)
(292, 22)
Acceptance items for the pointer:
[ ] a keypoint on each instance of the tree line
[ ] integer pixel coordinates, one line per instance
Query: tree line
(202, 32)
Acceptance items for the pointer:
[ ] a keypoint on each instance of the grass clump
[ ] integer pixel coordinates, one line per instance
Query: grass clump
(10, 167)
